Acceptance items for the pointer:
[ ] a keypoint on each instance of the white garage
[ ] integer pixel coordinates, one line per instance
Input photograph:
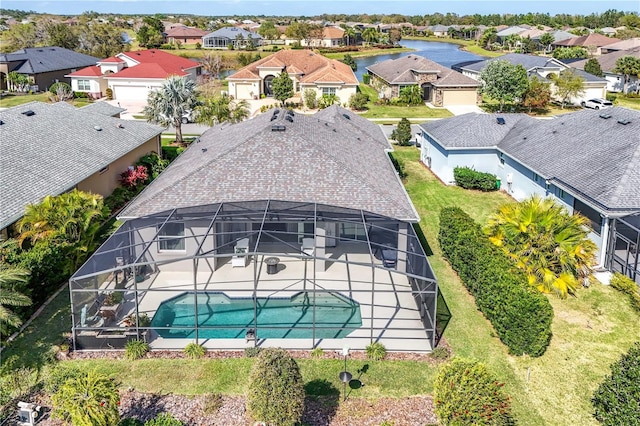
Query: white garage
(130, 92)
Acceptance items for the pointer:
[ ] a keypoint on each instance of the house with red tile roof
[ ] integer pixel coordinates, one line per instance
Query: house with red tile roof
(307, 69)
(132, 75)
(592, 42)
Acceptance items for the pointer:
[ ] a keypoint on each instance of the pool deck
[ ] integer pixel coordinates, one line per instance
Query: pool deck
(389, 314)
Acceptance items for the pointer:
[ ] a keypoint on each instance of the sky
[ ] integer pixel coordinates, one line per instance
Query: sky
(316, 7)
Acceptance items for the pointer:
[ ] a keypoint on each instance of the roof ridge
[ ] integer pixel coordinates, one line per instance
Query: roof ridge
(631, 166)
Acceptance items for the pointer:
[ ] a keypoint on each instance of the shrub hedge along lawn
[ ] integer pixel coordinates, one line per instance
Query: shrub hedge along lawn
(469, 178)
(520, 315)
(617, 399)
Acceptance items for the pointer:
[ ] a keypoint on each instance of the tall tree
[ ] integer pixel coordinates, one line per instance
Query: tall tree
(268, 30)
(592, 66)
(371, 35)
(282, 86)
(547, 242)
(628, 66)
(9, 296)
(172, 101)
(545, 40)
(298, 31)
(402, 133)
(19, 36)
(567, 85)
(537, 95)
(394, 36)
(348, 59)
(504, 81)
(349, 35)
(489, 36)
(101, 40)
(59, 34)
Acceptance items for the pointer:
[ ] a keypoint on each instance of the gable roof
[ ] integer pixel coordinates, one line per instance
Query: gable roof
(185, 32)
(608, 61)
(313, 67)
(332, 32)
(51, 151)
(593, 39)
(38, 60)
(557, 35)
(403, 70)
(337, 162)
(103, 108)
(624, 44)
(154, 63)
(596, 158)
(232, 32)
(529, 62)
(92, 71)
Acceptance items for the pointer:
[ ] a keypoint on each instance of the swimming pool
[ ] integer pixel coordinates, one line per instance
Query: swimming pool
(222, 317)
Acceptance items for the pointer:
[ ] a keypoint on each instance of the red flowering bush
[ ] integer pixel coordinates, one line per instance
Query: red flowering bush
(134, 176)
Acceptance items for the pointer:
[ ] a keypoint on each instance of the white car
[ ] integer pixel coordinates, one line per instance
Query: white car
(596, 103)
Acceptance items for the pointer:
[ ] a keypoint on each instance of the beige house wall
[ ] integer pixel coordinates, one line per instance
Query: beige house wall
(343, 92)
(104, 183)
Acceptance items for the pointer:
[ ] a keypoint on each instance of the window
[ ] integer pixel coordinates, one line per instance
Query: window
(84, 85)
(501, 157)
(328, 91)
(171, 237)
(536, 178)
(561, 193)
(595, 220)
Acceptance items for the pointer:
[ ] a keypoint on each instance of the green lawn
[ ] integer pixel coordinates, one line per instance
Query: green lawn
(390, 111)
(632, 103)
(590, 332)
(10, 100)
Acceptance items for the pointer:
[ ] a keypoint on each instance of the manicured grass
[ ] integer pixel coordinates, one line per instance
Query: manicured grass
(632, 103)
(10, 100)
(391, 111)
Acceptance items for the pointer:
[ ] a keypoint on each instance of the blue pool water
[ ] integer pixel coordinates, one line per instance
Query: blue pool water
(222, 317)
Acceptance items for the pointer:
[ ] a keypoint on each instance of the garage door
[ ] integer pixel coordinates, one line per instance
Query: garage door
(459, 97)
(130, 93)
(244, 91)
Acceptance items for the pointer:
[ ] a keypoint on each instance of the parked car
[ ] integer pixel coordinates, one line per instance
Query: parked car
(596, 103)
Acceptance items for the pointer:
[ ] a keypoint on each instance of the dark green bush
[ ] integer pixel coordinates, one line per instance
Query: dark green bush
(617, 399)
(627, 286)
(170, 153)
(399, 166)
(130, 422)
(276, 393)
(366, 78)
(80, 95)
(520, 314)
(167, 46)
(466, 393)
(469, 178)
(164, 419)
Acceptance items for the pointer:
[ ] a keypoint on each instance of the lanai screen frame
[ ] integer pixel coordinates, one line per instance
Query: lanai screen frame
(624, 247)
(122, 254)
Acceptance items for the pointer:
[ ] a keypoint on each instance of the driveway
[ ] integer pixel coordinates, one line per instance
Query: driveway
(464, 109)
(131, 108)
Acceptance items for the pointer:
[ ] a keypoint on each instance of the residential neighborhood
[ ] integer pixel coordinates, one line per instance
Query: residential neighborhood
(239, 215)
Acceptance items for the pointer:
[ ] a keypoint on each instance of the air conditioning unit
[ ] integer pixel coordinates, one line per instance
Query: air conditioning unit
(428, 159)
(28, 414)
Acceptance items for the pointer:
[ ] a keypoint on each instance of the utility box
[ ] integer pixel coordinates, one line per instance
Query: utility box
(28, 414)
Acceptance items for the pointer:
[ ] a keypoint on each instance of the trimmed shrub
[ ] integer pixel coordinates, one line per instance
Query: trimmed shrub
(194, 350)
(627, 286)
(358, 101)
(469, 178)
(170, 153)
(376, 351)
(616, 401)
(310, 98)
(366, 78)
(252, 352)
(276, 393)
(164, 419)
(130, 422)
(399, 166)
(109, 93)
(466, 393)
(135, 349)
(520, 315)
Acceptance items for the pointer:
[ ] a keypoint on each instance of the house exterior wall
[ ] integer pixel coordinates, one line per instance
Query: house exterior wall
(382, 86)
(134, 89)
(46, 79)
(112, 67)
(615, 83)
(97, 86)
(343, 92)
(245, 90)
(104, 183)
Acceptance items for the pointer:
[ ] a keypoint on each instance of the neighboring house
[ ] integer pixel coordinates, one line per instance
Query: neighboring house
(592, 42)
(586, 160)
(615, 81)
(230, 38)
(331, 37)
(43, 65)
(558, 35)
(185, 35)
(440, 30)
(48, 149)
(509, 31)
(307, 69)
(318, 250)
(440, 85)
(132, 75)
(628, 44)
(608, 31)
(594, 87)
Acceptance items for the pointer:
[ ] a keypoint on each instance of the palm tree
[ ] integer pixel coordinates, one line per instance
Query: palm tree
(548, 243)
(628, 66)
(9, 277)
(172, 101)
(350, 35)
(71, 220)
(371, 35)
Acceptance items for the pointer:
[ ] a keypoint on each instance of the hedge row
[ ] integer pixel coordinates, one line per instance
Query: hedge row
(520, 315)
(629, 287)
(469, 178)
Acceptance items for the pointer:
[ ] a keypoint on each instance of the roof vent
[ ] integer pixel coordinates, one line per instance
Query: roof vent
(204, 149)
(291, 113)
(1, 122)
(624, 121)
(119, 126)
(98, 128)
(289, 118)
(273, 117)
(605, 116)
(276, 111)
(500, 120)
(278, 128)
(346, 116)
(28, 113)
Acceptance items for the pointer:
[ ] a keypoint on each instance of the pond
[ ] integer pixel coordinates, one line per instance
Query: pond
(445, 54)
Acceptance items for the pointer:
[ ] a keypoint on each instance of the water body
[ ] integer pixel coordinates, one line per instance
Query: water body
(445, 54)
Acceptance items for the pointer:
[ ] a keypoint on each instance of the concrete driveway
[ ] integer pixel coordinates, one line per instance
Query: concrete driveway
(464, 109)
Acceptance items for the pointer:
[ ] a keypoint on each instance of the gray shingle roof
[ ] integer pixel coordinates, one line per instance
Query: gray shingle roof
(232, 33)
(313, 160)
(529, 62)
(596, 157)
(37, 60)
(474, 130)
(103, 108)
(56, 148)
(401, 70)
(608, 61)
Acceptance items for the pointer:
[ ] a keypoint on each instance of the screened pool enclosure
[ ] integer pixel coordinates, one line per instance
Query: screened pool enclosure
(269, 273)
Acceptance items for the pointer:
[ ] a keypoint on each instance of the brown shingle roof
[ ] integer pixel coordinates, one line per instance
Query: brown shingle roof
(403, 70)
(313, 66)
(332, 32)
(594, 39)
